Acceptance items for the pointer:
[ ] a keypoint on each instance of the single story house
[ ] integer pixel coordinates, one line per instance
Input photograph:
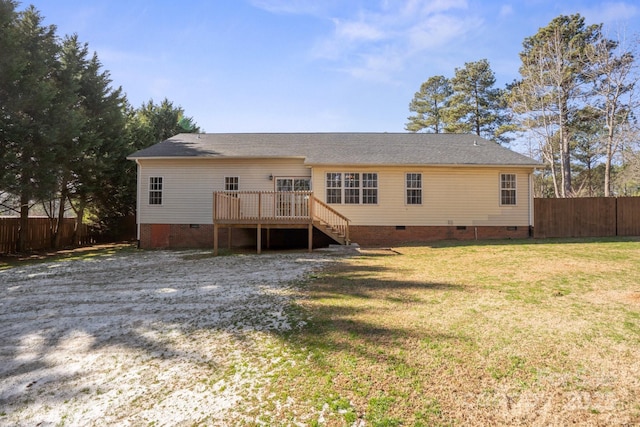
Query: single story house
(195, 190)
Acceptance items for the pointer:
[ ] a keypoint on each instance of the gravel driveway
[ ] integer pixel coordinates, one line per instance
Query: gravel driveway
(142, 337)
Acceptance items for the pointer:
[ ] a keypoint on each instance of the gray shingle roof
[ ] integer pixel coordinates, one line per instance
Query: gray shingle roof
(341, 148)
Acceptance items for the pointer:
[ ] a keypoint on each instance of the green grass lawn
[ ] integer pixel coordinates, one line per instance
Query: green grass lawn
(534, 332)
(530, 332)
(84, 252)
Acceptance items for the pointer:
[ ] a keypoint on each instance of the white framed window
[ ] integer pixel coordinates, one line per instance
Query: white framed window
(302, 184)
(369, 188)
(352, 188)
(334, 187)
(231, 183)
(508, 189)
(293, 184)
(155, 190)
(413, 188)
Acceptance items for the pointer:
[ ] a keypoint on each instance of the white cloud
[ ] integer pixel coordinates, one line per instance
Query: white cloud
(617, 14)
(296, 7)
(357, 31)
(506, 10)
(109, 55)
(375, 40)
(438, 30)
(378, 66)
(377, 43)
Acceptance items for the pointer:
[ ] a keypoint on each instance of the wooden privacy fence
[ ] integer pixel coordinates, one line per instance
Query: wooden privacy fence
(39, 234)
(587, 217)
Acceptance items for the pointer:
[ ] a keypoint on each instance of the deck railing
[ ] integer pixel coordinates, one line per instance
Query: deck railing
(331, 218)
(276, 207)
(262, 206)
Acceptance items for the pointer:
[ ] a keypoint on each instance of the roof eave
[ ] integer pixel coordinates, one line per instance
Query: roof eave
(475, 165)
(213, 157)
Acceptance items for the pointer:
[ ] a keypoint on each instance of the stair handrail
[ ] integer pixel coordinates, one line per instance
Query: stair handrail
(332, 218)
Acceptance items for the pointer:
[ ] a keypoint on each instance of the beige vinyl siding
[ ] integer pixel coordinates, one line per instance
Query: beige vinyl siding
(450, 196)
(188, 185)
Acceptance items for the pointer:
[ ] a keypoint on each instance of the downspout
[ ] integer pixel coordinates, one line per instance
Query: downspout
(138, 195)
(529, 204)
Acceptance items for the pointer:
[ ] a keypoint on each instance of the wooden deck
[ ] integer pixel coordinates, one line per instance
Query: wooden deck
(281, 209)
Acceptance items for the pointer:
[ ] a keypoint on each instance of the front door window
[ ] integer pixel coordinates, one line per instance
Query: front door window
(288, 203)
(284, 184)
(293, 184)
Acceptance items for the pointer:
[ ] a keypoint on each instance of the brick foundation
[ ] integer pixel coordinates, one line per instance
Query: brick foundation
(160, 236)
(391, 235)
(177, 236)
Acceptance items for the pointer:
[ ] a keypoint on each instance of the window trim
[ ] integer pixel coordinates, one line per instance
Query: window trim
(407, 189)
(339, 190)
(363, 188)
(351, 187)
(294, 180)
(336, 190)
(228, 183)
(156, 195)
(503, 189)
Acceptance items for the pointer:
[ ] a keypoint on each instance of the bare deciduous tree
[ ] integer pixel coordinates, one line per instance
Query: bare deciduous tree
(613, 72)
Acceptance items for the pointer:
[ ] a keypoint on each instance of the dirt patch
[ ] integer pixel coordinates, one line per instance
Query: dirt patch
(143, 336)
(378, 251)
(634, 297)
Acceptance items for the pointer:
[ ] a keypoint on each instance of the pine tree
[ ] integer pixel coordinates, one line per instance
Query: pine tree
(28, 109)
(476, 105)
(430, 105)
(552, 88)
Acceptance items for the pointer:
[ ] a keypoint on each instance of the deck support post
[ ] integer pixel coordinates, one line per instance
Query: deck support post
(259, 238)
(215, 239)
(277, 210)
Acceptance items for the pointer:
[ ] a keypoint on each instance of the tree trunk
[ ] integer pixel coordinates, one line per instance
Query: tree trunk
(565, 148)
(607, 163)
(64, 192)
(21, 244)
(565, 156)
(554, 179)
(548, 153)
(78, 225)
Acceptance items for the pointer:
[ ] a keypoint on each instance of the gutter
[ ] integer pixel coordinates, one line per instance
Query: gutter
(212, 157)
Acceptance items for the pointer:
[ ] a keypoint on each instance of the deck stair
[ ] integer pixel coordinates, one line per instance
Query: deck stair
(281, 209)
(330, 222)
(331, 231)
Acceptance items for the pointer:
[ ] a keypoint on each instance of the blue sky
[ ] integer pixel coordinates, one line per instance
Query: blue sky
(307, 65)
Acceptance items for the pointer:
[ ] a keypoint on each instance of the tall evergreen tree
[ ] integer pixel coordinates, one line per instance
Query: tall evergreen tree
(98, 174)
(92, 143)
(552, 87)
(28, 109)
(613, 73)
(65, 131)
(144, 126)
(587, 132)
(430, 105)
(71, 121)
(476, 105)
(157, 122)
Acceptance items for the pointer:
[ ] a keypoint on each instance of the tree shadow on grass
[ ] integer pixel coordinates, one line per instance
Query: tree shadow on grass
(155, 306)
(63, 321)
(354, 300)
(368, 339)
(440, 244)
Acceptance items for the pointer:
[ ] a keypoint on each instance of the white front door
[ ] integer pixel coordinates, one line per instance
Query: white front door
(288, 203)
